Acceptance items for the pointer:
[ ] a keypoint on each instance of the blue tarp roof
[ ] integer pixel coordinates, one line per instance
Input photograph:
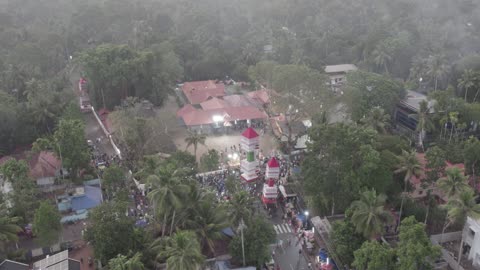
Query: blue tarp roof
(92, 198)
(228, 232)
(93, 182)
(302, 217)
(72, 218)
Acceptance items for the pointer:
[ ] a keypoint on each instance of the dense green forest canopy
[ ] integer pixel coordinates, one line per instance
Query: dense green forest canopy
(168, 41)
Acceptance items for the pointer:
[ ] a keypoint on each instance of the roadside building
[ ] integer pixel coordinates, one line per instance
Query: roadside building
(471, 240)
(44, 167)
(75, 205)
(338, 74)
(13, 265)
(59, 261)
(408, 108)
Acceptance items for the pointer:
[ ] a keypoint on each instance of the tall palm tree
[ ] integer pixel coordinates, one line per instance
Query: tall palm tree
(407, 163)
(453, 119)
(240, 207)
(377, 119)
(467, 81)
(195, 139)
(462, 206)
(424, 123)
(382, 55)
(437, 68)
(190, 203)
(8, 226)
(168, 188)
(208, 223)
(454, 183)
(369, 214)
(181, 251)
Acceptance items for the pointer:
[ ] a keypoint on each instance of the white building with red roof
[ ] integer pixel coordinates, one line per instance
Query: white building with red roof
(209, 108)
(44, 167)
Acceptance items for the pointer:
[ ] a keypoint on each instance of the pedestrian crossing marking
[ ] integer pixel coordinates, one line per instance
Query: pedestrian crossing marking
(282, 228)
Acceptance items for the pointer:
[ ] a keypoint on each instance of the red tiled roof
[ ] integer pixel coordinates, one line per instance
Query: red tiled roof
(273, 163)
(250, 133)
(205, 117)
(260, 96)
(5, 159)
(417, 181)
(199, 91)
(423, 162)
(213, 103)
(185, 109)
(44, 164)
(201, 117)
(237, 100)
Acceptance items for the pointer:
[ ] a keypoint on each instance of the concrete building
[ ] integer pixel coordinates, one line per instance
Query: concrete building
(13, 265)
(59, 261)
(338, 74)
(405, 113)
(471, 240)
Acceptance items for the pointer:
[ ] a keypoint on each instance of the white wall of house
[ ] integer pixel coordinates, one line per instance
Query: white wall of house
(471, 237)
(45, 181)
(5, 188)
(338, 78)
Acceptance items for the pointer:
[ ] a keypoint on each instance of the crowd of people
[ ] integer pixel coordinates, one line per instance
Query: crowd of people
(100, 159)
(139, 209)
(215, 180)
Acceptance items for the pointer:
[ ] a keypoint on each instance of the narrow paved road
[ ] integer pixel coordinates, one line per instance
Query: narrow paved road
(287, 256)
(92, 127)
(94, 131)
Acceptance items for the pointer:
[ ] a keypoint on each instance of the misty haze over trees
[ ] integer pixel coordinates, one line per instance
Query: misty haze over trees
(134, 53)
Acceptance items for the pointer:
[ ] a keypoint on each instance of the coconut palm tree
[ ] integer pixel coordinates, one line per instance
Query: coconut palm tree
(195, 139)
(122, 262)
(382, 56)
(453, 119)
(462, 206)
(240, 207)
(408, 164)
(168, 189)
(135, 262)
(369, 214)
(424, 123)
(193, 196)
(8, 226)
(467, 81)
(454, 183)
(377, 119)
(181, 251)
(437, 68)
(208, 222)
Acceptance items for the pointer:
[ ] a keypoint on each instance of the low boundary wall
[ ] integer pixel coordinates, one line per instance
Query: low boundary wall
(107, 134)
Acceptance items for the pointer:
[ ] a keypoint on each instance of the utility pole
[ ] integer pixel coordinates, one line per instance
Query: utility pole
(241, 227)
